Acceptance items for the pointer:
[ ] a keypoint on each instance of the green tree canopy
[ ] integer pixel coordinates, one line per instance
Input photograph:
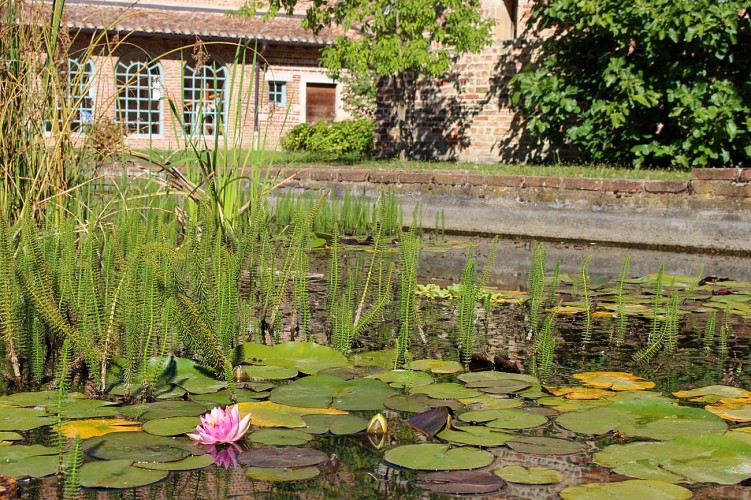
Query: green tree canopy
(397, 40)
(640, 82)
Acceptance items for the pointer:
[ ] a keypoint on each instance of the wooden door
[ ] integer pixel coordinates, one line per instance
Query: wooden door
(320, 102)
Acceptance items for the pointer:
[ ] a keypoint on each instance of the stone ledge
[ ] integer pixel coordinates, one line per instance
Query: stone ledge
(666, 186)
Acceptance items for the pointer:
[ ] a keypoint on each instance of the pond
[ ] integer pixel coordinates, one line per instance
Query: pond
(525, 438)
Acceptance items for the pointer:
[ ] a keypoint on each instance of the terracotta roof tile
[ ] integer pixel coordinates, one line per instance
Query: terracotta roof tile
(184, 22)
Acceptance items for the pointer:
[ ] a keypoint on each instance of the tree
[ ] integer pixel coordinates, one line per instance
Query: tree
(398, 41)
(640, 82)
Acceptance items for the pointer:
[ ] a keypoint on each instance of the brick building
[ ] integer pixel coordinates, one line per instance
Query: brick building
(465, 116)
(168, 70)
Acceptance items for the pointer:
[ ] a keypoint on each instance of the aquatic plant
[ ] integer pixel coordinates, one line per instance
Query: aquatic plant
(72, 470)
(536, 286)
(709, 329)
(584, 277)
(409, 250)
(221, 426)
(621, 319)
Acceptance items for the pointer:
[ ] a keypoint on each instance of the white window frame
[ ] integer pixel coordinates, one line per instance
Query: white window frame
(198, 104)
(139, 74)
(279, 89)
(80, 92)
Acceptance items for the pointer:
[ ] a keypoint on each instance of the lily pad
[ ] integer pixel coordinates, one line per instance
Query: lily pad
(616, 381)
(270, 414)
(222, 398)
(98, 427)
(446, 390)
(712, 394)
(270, 372)
(10, 436)
(418, 403)
(502, 386)
(187, 463)
(139, 447)
(322, 391)
(539, 445)
(307, 357)
(28, 461)
(433, 456)
(285, 474)
(562, 404)
(163, 409)
(23, 419)
(643, 418)
(626, 490)
(708, 459)
(284, 456)
(382, 359)
(510, 418)
(475, 436)
(436, 366)
(531, 475)
(38, 398)
(430, 422)
(403, 379)
(280, 437)
(86, 408)
(733, 409)
(118, 474)
(580, 393)
(339, 425)
(171, 426)
(460, 482)
(490, 402)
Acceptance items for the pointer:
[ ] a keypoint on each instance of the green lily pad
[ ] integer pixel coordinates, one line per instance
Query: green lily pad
(86, 408)
(563, 404)
(139, 447)
(28, 461)
(270, 414)
(531, 475)
(193, 377)
(403, 379)
(163, 409)
(322, 391)
(626, 490)
(38, 398)
(270, 372)
(490, 402)
(118, 474)
(460, 482)
(187, 463)
(436, 366)
(222, 398)
(489, 377)
(382, 359)
(10, 436)
(350, 372)
(643, 418)
(709, 459)
(539, 445)
(286, 474)
(339, 425)
(171, 426)
(475, 436)
(23, 419)
(446, 390)
(507, 386)
(283, 456)
(418, 403)
(307, 357)
(712, 393)
(433, 456)
(510, 418)
(280, 437)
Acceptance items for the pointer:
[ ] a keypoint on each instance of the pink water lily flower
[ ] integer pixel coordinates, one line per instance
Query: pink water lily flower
(221, 426)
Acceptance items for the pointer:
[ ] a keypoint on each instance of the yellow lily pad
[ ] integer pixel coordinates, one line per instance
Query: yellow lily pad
(713, 394)
(616, 381)
(565, 309)
(270, 414)
(733, 409)
(436, 366)
(580, 393)
(98, 427)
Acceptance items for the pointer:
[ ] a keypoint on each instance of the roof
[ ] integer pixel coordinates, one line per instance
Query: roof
(206, 23)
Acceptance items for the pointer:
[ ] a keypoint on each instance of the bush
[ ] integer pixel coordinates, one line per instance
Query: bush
(646, 82)
(332, 138)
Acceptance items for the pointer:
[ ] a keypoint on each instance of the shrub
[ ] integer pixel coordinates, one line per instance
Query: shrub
(332, 138)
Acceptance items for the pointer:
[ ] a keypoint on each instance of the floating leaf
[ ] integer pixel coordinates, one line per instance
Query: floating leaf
(171, 426)
(187, 463)
(23, 419)
(10, 436)
(307, 357)
(418, 403)
(339, 425)
(284, 456)
(322, 391)
(616, 381)
(433, 456)
(502, 386)
(531, 475)
(490, 402)
(733, 409)
(270, 414)
(538, 445)
(281, 437)
(436, 366)
(382, 359)
(580, 393)
(38, 398)
(403, 379)
(446, 390)
(222, 398)
(98, 427)
(139, 447)
(712, 393)
(86, 408)
(430, 422)
(626, 490)
(117, 474)
(270, 372)
(510, 418)
(20, 461)
(163, 409)
(460, 482)
(709, 458)
(275, 474)
(565, 405)
(475, 436)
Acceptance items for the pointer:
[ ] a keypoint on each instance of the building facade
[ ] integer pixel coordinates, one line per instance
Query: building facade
(172, 71)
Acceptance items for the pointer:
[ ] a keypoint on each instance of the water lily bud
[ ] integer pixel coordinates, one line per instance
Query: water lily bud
(377, 425)
(239, 374)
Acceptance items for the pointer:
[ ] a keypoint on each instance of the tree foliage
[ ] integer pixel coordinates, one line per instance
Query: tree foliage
(640, 82)
(396, 40)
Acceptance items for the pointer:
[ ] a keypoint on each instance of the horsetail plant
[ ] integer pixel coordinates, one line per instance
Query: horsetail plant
(621, 319)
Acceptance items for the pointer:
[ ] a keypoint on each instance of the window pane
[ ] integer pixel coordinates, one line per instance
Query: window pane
(203, 99)
(139, 91)
(77, 110)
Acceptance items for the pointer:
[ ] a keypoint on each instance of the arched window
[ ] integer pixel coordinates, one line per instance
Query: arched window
(203, 99)
(77, 109)
(139, 93)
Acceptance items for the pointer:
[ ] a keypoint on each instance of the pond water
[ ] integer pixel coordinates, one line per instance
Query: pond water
(355, 467)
